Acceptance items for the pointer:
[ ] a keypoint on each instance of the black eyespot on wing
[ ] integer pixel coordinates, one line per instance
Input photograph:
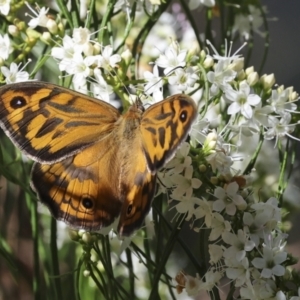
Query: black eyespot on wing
(129, 209)
(183, 116)
(17, 102)
(87, 203)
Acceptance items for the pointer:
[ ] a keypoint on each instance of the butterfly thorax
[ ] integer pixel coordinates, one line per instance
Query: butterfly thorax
(131, 121)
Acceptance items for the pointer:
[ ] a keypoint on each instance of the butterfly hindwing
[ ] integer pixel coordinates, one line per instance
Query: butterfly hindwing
(83, 190)
(50, 123)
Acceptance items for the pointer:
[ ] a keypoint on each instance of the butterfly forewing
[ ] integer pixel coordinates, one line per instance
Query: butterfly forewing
(50, 123)
(164, 126)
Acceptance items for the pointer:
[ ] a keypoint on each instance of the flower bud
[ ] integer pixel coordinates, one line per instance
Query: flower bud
(293, 96)
(268, 81)
(202, 168)
(237, 65)
(241, 75)
(126, 56)
(13, 30)
(52, 26)
(202, 54)
(214, 180)
(88, 49)
(87, 238)
(252, 78)
(73, 235)
(249, 70)
(46, 37)
(208, 62)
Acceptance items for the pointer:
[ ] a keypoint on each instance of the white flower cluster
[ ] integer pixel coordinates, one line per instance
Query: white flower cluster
(245, 241)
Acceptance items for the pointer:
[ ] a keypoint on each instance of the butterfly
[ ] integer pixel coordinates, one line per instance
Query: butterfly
(93, 164)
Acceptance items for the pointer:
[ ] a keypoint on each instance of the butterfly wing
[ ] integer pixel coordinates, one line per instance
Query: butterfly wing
(138, 187)
(50, 123)
(164, 126)
(83, 190)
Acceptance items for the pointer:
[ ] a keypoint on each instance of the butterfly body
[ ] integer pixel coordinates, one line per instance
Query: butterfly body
(92, 163)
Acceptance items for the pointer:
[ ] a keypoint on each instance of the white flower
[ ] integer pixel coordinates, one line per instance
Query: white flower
(228, 199)
(40, 18)
(172, 58)
(186, 205)
(270, 263)
(183, 79)
(212, 278)
(5, 46)
(81, 37)
(256, 225)
(80, 68)
(204, 209)
(154, 84)
(193, 285)
(245, 23)
(198, 131)
(185, 184)
(13, 74)
(280, 128)
(240, 243)
(101, 89)
(215, 253)
(181, 160)
(242, 100)
(220, 77)
(4, 7)
(239, 271)
(218, 226)
(220, 161)
(280, 102)
(66, 53)
(106, 60)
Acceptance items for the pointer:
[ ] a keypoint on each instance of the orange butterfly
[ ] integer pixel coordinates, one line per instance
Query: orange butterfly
(92, 163)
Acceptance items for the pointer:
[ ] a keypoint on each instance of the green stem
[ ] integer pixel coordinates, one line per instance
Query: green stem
(106, 18)
(64, 10)
(55, 260)
(35, 237)
(255, 154)
(187, 11)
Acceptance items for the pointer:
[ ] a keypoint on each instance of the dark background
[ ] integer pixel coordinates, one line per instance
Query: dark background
(284, 61)
(284, 54)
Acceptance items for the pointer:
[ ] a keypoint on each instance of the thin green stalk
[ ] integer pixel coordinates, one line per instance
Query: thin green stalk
(187, 11)
(64, 10)
(90, 14)
(77, 278)
(55, 260)
(206, 89)
(35, 237)
(128, 27)
(131, 272)
(282, 184)
(255, 154)
(106, 18)
(141, 37)
(172, 239)
(41, 61)
(267, 39)
(75, 14)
